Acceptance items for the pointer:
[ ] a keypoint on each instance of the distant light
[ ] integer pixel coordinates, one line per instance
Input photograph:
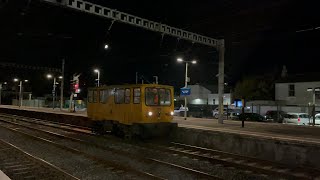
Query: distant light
(15, 80)
(60, 77)
(226, 84)
(194, 62)
(26, 80)
(49, 76)
(180, 60)
(5, 83)
(175, 99)
(106, 46)
(96, 71)
(310, 89)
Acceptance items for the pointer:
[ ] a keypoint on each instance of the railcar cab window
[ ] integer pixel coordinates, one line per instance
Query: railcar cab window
(158, 97)
(119, 96)
(136, 95)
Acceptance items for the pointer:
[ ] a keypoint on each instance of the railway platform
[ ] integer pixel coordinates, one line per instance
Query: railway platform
(3, 176)
(286, 144)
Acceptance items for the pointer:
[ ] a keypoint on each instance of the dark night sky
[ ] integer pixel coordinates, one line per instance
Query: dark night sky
(260, 37)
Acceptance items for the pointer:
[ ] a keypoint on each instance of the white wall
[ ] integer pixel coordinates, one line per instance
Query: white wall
(199, 95)
(302, 96)
(213, 99)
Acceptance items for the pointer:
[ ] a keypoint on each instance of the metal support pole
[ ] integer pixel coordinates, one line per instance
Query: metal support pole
(221, 49)
(54, 92)
(156, 77)
(185, 98)
(62, 85)
(20, 94)
(314, 107)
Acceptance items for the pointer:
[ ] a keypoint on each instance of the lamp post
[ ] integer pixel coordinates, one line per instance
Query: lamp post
(180, 60)
(313, 90)
(20, 90)
(98, 79)
(49, 76)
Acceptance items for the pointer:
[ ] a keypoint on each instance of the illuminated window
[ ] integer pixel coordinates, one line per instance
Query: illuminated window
(119, 96)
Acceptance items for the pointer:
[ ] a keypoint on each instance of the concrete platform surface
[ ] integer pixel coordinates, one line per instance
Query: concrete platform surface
(48, 110)
(3, 176)
(303, 134)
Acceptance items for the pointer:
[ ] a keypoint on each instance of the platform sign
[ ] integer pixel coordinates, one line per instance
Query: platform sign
(185, 91)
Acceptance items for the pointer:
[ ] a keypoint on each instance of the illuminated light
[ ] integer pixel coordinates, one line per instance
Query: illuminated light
(26, 80)
(172, 113)
(49, 76)
(60, 77)
(106, 46)
(150, 113)
(175, 99)
(15, 80)
(194, 62)
(96, 70)
(180, 60)
(197, 100)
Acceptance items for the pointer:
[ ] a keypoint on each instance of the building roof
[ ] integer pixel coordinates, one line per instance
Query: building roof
(305, 77)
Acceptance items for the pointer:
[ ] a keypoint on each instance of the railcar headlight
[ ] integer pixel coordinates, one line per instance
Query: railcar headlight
(150, 113)
(172, 113)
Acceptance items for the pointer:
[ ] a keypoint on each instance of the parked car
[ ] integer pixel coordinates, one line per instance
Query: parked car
(297, 118)
(234, 115)
(317, 119)
(251, 117)
(273, 116)
(215, 112)
(176, 111)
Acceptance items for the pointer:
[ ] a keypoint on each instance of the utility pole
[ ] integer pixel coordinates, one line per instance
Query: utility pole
(221, 49)
(62, 85)
(54, 92)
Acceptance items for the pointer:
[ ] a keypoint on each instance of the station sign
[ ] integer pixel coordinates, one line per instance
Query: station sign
(185, 91)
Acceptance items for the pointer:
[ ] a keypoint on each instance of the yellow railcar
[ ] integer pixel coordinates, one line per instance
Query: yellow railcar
(144, 110)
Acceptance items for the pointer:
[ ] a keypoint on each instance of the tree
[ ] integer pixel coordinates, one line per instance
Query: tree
(255, 88)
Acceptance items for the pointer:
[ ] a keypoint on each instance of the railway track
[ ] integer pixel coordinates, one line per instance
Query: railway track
(248, 164)
(194, 173)
(18, 164)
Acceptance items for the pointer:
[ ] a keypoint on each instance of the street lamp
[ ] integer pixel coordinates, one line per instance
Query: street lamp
(180, 60)
(314, 90)
(49, 76)
(20, 90)
(98, 79)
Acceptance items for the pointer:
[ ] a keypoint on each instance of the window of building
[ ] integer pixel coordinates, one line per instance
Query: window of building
(127, 99)
(291, 90)
(136, 95)
(95, 96)
(119, 96)
(90, 96)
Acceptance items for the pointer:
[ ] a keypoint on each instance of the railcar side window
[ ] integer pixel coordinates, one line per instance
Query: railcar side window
(90, 96)
(119, 96)
(95, 96)
(127, 99)
(104, 95)
(136, 95)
